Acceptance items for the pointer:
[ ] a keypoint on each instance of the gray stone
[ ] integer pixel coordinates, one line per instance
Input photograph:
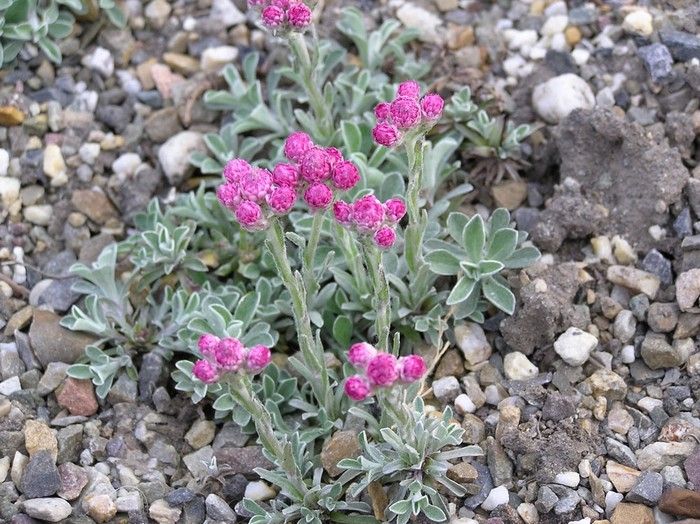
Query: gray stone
(621, 453)
(52, 377)
(657, 353)
(242, 460)
(648, 488)
(546, 499)
(70, 443)
(60, 295)
(683, 46)
(10, 362)
(446, 389)
(658, 62)
(180, 496)
(48, 509)
(124, 389)
(217, 509)
(663, 317)
(40, 477)
(52, 342)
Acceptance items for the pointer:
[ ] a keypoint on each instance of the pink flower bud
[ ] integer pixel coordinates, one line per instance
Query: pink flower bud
(230, 354)
(256, 3)
(229, 196)
(432, 105)
(334, 155)
(235, 169)
(205, 371)
(382, 111)
(360, 354)
(386, 134)
(256, 185)
(367, 213)
(395, 209)
(342, 211)
(315, 166)
(207, 344)
(258, 359)
(296, 145)
(345, 175)
(273, 16)
(299, 15)
(411, 368)
(282, 199)
(405, 112)
(357, 388)
(410, 88)
(249, 215)
(385, 237)
(282, 4)
(318, 196)
(285, 175)
(382, 370)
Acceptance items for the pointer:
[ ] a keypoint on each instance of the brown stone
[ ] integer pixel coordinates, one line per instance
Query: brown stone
(78, 397)
(622, 477)
(164, 79)
(242, 460)
(94, 204)
(342, 445)
(572, 35)
(73, 480)
(53, 343)
(626, 513)
(38, 436)
(510, 194)
(182, 64)
(379, 499)
(463, 473)
(450, 365)
(11, 116)
(19, 320)
(681, 502)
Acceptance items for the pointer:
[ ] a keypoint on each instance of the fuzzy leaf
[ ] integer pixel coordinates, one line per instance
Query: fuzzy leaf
(461, 291)
(523, 257)
(456, 223)
(442, 262)
(474, 238)
(499, 295)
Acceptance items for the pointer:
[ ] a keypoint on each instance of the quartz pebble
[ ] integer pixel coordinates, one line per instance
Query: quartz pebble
(574, 346)
(518, 367)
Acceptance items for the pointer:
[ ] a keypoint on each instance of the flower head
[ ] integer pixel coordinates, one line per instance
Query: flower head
(357, 388)
(410, 89)
(411, 368)
(318, 196)
(258, 359)
(342, 211)
(230, 354)
(256, 184)
(299, 15)
(382, 370)
(432, 105)
(282, 199)
(334, 156)
(205, 371)
(368, 213)
(228, 195)
(405, 112)
(249, 215)
(235, 169)
(382, 111)
(385, 134)
(296, 145)
(360, 354)
(273, 16)
(285, 174)
(315, 165)
(345, 175)
(385, 237)
(207, 344)
(395, 209)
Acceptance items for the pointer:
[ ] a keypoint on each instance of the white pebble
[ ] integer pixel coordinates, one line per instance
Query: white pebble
(639, 22)
(497, 497)
(9, 190)
(612, 499)
(463, 404)
(528, 512)
(554, 99)
(648, 404)
(580, 56)
(568, 478)
(574, 346)
(554, 24)
(38, 214)
(518, 39)
(559, 43)
(556, 8)
(100, 60)
(258, 491)
(89, 152)
(518, 367)
(627, 354)
(126, 164)
(4, 162)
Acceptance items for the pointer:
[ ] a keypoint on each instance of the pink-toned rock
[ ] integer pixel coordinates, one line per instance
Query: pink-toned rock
(73, 480)
(165, 79)
(692, 469)
(78, 397)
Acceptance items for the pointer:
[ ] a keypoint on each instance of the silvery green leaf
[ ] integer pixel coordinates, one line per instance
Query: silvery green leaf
(442, 262)
(352, 136)
(522, 257)
(456, 222)
(474, 238)
(489, 267)
(62, 27)
(461, 291)
(224, 403)
(499, 295)
(245, 311)
(502, 244)
(75, 5)
(434, 513)
(79, 371)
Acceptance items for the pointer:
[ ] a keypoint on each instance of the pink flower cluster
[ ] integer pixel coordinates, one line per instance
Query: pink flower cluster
(313, 173)
(380, 370)
(228, 355)
(408, 111)
(369, 216)
(283, 15)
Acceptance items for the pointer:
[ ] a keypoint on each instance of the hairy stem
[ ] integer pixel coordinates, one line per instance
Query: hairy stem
(322, 112)
(309, 257)
(417, 218)
(311, 352)
(382, 322)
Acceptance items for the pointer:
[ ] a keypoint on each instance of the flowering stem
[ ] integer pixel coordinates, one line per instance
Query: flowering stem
(346, 241)
(416, 217)
(309, 257)
(318, 104)
(312, 352)
(382, 322)
(241, 390)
